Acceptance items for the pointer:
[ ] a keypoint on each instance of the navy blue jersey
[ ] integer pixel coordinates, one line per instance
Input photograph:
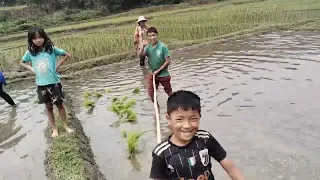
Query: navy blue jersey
(192, 161)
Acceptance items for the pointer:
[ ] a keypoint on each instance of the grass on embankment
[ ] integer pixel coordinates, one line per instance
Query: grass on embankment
(8, 8)
(179, 29)
(125, 18)
(69, 156)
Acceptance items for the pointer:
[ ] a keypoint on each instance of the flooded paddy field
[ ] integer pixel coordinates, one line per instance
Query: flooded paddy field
(259, 98)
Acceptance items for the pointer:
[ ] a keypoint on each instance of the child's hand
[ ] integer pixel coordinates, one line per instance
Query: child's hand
(156, 72)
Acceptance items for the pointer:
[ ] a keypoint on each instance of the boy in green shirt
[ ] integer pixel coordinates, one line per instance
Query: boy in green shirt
(158, 59)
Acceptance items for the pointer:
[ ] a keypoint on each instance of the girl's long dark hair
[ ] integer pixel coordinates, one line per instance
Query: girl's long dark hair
(47, 44)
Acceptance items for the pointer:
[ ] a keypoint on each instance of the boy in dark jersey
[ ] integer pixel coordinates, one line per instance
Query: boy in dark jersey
(187, 153)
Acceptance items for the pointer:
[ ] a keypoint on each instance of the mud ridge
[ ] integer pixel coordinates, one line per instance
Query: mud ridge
(89, 169)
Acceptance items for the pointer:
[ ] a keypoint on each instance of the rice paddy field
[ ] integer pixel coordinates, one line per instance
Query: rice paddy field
(71, 157)
(182, 26)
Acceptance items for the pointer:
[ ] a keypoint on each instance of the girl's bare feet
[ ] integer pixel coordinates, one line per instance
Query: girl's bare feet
(69, 130)
(55, 133)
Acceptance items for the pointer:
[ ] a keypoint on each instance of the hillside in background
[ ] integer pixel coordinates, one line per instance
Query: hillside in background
(19, 15)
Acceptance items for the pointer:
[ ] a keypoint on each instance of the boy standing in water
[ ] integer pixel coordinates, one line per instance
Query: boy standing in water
(158, 59)
(187, 153)
(43, 56)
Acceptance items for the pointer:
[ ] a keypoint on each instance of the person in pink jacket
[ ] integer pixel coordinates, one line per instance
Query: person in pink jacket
(140, 38)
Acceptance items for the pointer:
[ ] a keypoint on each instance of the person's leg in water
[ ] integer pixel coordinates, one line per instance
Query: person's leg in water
(45, 99)
(6, 96)
(166, 83)
(142, 58)
(50, 114)
(49, 95)
(151, 90)
(56, 95)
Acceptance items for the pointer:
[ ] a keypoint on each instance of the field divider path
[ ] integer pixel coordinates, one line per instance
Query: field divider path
(69, 156)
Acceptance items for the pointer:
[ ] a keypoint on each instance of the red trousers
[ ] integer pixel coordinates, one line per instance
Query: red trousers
(164, 81)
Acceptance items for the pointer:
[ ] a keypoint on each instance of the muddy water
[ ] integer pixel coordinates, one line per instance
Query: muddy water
(22, 141)
(259, 96)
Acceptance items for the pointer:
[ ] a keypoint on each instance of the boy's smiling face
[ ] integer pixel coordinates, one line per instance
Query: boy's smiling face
(153, 37)
(184, 124)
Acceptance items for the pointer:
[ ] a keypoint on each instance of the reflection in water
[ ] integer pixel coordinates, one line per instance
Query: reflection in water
(22, 143)
(7, 129)
(256, 99)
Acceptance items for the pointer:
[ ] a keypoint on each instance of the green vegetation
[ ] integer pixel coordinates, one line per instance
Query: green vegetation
(88, 103)
(132, 141)
(97, 94)
(11, 8)
(50, 13)
(132, 138)
(136, 91)
(187, 26)
(123, 108)
(87, 94)
(65, 157)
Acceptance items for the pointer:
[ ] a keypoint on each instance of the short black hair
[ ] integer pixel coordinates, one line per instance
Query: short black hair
(152, 30)
(184, 100)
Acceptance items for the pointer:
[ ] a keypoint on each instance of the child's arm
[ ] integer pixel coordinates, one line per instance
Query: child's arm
(25, 59)
(158, 168)
(233, 172)
(219, 154)
(144, 51)
(63, 59)
(27, 66)
(60, 52)
(166, 54)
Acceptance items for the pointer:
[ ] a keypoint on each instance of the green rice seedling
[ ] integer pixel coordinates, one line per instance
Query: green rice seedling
(108, 90)
(124, 134)
(97, 94)
(123, 109)
(132, 142)
(114, 99)
(136, 91)
(115, 109)
(131, 116)
(130, 103)
(191, 25)
(87, 94)
(124, 98)
(88, 103)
